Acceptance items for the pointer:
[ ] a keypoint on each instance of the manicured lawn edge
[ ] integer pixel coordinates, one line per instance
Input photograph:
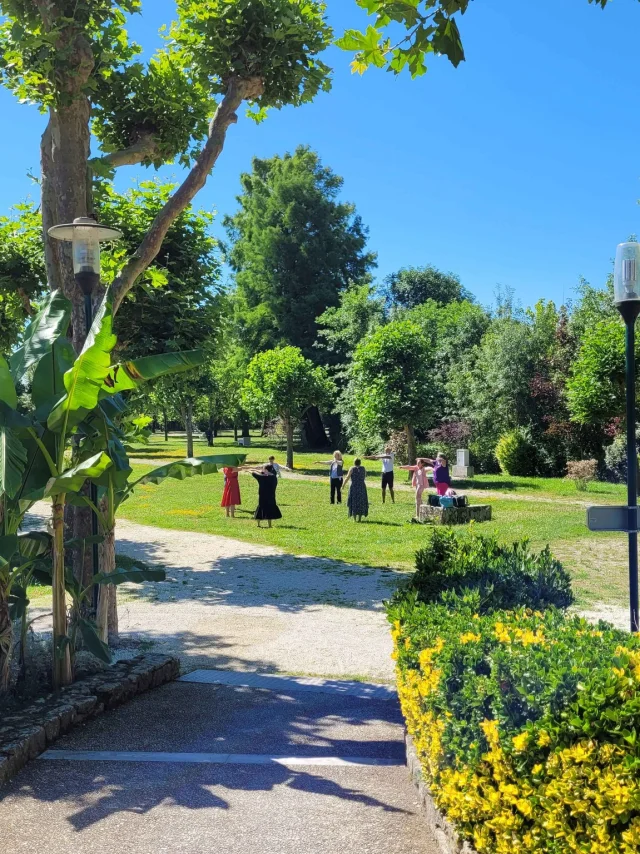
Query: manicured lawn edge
(30, 730)
(443, 831)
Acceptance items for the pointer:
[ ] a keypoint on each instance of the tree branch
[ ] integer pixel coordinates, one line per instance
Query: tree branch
(144, 148)
(238, 90)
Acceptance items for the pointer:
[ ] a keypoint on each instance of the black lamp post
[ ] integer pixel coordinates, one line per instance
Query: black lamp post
(85, 236)
(627, 299)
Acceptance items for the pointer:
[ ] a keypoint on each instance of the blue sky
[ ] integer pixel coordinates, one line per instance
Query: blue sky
(521, 168)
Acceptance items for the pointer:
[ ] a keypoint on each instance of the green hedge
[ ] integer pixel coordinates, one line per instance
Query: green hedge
(526, 721)
(505, 576)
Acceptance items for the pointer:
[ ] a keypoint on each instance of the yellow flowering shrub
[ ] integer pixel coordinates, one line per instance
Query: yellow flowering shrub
(527, 724)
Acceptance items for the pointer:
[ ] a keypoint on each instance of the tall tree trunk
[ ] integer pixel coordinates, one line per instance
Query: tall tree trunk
(189, 426)
(107, 613)
(289, 428)
(166, 425)
(235, 431)
(246, 433)
(62, 674)
(411, 445)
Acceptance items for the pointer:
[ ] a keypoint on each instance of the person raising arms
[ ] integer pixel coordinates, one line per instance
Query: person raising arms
(336, 470)
(388, 460)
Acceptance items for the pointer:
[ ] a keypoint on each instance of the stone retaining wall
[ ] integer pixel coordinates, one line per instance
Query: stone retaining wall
(29, 731)
(455, 515)
(446, 837)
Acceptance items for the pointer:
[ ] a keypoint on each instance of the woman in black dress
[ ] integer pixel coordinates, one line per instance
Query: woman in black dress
(267, 483)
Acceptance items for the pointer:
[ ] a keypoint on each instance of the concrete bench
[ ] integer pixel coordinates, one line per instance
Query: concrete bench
(455, 515)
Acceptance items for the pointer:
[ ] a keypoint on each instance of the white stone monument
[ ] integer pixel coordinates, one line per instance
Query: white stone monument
(462, 468)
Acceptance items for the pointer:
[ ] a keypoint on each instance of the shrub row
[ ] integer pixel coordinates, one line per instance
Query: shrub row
(526, 721)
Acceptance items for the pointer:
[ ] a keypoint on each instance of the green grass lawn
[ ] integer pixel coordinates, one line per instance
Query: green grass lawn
(386, 539)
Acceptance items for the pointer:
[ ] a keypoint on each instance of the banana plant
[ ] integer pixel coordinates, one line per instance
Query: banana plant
(39, 454)
(107, 427)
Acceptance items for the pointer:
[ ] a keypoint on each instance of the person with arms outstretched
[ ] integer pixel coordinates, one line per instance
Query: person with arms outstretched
(388, 460)
(336, 469)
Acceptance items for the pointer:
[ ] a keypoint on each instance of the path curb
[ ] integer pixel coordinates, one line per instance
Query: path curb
(443, 831)
(28, 732)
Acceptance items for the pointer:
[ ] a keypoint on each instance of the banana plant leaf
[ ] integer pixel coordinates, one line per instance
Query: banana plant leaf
(13, 454)
(8, 547)
(84, 380)
(18, 602)
(136, 574)
(74, 478)
(47, 386)
(92, 641)
(36, 472)
(128, 375)
(33, 544)
(49, 324)
(7, 387)
(82, 542)
(190, 467)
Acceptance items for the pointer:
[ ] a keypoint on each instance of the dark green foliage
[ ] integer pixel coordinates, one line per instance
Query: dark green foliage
(391, 375)
(295, 248)
(517, 453)
(156, 101)
(504, 576)
(275, 40)
(413, 286)
(22, 274)
(180, 304)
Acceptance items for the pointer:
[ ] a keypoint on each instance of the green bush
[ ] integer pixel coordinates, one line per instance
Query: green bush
(517, 453)
(504, 576)
(525, 724)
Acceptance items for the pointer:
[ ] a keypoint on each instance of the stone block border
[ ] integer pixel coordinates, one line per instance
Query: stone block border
(446, 837)
(455, 515)
(28, 732)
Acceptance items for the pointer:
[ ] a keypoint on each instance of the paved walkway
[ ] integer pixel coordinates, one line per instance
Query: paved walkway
(239, 756)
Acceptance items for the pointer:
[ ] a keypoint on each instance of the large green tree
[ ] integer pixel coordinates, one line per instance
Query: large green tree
(282, 383)
(73, 59)
(412, 286)
(391, 382)
(294, 248)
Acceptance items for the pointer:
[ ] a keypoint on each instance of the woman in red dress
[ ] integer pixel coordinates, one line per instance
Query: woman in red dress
(231, 494)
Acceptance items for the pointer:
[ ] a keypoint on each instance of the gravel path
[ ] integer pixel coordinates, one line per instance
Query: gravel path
(229, 604)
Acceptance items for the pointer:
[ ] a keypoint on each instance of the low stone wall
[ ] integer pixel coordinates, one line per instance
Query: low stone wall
(29, 731)
(447, 839)
(455, 515)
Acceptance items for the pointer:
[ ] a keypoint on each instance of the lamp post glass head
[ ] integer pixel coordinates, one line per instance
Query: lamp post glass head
(85, 235)
(626, 277)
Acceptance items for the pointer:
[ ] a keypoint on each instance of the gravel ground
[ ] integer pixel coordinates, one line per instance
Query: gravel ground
(229, 604)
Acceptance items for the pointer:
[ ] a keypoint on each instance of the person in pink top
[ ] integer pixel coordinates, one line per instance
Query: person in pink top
(420, 481)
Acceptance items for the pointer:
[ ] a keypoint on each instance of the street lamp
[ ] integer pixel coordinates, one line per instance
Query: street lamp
(626, 290)
(85, 236)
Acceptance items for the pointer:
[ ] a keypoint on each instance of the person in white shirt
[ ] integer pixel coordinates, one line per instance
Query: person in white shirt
(277, 466)
(387, 459)
(336, 471)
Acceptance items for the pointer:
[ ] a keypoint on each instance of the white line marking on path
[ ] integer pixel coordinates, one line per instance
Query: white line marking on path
(212, 758)
(273, 682)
